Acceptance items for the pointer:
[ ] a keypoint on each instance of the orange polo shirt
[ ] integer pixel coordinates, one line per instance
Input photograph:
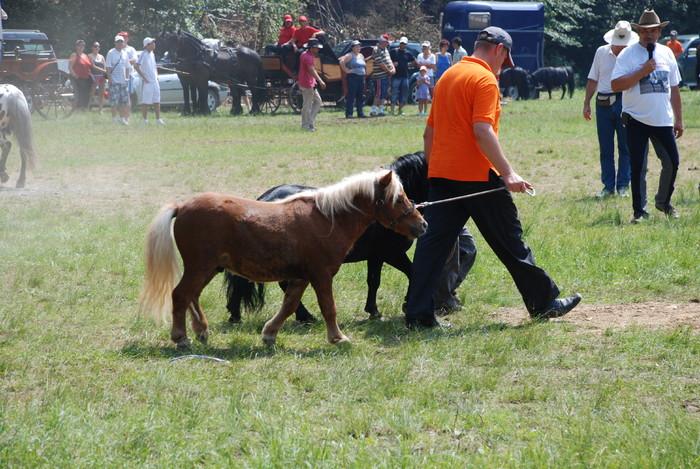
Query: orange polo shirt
(466, 93)
(676, 47)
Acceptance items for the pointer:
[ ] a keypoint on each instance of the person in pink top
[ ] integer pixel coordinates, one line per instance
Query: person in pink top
(308, 77)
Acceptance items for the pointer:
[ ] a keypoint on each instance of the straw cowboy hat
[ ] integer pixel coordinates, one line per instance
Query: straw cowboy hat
(649, 19)
(622, 35)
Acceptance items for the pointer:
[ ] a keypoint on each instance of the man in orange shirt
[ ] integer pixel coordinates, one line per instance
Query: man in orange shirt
(464, 157)
(675, 45)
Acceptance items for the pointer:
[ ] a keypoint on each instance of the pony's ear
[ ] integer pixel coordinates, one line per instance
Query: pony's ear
(386, 179)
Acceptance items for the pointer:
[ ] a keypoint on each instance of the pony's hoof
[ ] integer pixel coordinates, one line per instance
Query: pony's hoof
(184, 344)
(269, 340)
(19, 185)
(307, 319)
(203, 338)
(233, 320)
(375, 316)
(343, 340)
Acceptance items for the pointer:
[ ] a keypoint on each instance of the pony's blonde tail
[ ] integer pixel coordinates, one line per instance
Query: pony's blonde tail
(162, 268)
(21, 127)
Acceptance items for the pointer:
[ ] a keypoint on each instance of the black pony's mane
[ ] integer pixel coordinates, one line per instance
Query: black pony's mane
(413, 172)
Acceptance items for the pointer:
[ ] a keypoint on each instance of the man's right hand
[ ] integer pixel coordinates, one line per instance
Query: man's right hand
(587, 111)
(515, 183)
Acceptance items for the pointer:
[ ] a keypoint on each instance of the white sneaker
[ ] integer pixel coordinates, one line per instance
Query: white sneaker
(160, 121)
(144, 122)
(124, 121)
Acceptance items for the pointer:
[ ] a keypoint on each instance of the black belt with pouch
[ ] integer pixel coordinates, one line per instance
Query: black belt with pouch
(607, 99)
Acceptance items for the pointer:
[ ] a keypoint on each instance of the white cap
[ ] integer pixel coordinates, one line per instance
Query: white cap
(425, 44)
(147, 41)
(118, 38)
(403, 40)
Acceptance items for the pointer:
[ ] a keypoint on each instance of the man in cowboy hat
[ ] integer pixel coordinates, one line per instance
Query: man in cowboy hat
(608, 110)
(647, 74)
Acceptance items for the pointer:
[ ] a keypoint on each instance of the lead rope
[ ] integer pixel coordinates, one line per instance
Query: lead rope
(531, 192)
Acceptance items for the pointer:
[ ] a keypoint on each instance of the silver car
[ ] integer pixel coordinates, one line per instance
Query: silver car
(171, 90)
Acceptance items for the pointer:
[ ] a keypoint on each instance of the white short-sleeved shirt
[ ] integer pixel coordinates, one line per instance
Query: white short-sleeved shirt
(602, 68)
(117, 62)
(649, 100)
(147, 64)
(421, 60)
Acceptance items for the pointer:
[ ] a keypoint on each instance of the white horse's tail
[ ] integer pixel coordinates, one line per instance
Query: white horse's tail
(21, 127)
(162, 268)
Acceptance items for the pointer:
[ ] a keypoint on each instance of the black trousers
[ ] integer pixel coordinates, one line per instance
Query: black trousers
(496, 217)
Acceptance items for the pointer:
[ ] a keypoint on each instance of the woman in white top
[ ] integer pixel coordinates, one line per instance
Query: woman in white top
(428, 59)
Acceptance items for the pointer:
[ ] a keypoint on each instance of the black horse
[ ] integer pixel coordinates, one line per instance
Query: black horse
(237, 67)
(377, 245)
(552, 77)
(516, 80)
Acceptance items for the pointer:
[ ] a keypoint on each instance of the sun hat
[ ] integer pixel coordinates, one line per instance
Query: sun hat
(124, 34)
(147, 41)
(649, 19)
(496, 35)
(425, 44)
(313, 42)
(622, 35)
(423, 67)
(118, 38)
(386, 36)
(403, 40)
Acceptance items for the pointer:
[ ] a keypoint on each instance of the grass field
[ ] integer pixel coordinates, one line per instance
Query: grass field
(86, 382)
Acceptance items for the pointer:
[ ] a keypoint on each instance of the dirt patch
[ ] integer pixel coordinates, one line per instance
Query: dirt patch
(654, 315)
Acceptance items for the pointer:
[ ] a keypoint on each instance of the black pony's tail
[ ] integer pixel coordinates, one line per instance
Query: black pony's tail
(571, 79)
(239, 291)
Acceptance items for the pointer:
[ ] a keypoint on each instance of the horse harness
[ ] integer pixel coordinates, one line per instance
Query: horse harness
(380, 208)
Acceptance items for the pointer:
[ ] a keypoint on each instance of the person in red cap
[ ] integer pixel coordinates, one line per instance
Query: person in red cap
(304, 32)
(286, 34)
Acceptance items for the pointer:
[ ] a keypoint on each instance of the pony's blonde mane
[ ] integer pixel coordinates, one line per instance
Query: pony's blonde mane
(338, 198)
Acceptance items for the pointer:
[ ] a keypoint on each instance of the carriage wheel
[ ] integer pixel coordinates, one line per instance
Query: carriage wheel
(54, 95)
(272, 99)
(296, 101)
(513, 92)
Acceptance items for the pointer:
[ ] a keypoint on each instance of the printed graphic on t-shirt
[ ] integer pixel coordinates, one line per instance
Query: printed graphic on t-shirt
(657, 82)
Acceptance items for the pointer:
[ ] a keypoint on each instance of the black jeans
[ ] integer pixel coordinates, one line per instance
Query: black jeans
(638, 136)
(496, 217)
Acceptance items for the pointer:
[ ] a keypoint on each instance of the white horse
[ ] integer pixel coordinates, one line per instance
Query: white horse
(16, 118)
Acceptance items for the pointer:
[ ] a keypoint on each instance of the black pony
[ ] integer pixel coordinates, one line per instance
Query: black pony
(236, 67)
(516, 82)
(377, 245)
(552, 77)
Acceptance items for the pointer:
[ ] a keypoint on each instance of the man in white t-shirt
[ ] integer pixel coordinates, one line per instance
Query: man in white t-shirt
(647, 74)
(118, 72)
(146, 67)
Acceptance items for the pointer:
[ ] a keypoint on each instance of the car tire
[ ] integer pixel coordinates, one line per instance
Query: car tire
(513, 92)
(212, 99)
(412, 93)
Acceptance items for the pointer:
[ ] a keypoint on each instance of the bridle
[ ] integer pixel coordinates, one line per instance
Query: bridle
(380, 208)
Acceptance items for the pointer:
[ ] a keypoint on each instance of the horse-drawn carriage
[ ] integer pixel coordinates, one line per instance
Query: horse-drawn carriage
(281, 80)
(271, 79)
(28, 61)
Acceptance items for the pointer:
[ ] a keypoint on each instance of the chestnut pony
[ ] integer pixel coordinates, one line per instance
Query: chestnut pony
(302, 239)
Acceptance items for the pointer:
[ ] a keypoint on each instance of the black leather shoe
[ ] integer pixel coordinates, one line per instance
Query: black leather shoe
(558, 307)
(426, 323)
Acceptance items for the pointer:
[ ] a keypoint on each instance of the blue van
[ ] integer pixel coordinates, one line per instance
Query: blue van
(524, 21)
